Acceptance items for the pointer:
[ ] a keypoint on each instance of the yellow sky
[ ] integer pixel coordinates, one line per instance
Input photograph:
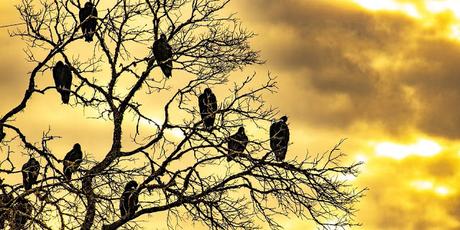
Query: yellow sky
(382, 73)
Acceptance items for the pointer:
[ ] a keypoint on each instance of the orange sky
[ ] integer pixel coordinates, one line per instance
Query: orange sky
(382, 73)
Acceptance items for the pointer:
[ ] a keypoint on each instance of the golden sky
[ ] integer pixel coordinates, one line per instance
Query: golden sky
(382, 73)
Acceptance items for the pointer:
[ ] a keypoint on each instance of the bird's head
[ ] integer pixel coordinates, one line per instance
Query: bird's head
(163, 37)
(77, 146)
(207, 91)
(241, 129)
(89, 5)
(132, 185)
(59, 63)
(284, 119)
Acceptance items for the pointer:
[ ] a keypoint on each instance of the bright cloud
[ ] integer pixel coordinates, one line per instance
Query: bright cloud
(423, 148)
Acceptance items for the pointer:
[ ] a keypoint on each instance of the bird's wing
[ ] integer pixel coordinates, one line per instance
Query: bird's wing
(82, 15)
(69, 156)
(94, 12)
(67, 78)
(213, 103)
(202, 104)
(57, 76)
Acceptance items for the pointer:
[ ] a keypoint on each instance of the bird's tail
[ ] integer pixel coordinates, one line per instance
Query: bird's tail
(27, 185)
(88, 37)
(167, 70)
(67, 173)
(65, 96)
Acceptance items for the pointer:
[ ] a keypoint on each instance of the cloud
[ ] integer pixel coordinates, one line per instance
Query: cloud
(388, 68)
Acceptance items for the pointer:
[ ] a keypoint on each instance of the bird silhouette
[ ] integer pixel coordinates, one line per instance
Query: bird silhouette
(62, 76)
(237, 144)
(279, 138)
(129, 199)
(162, 52)
(72, 161)
(5, 199)
(30, 171)
(208, 108)
(22, 211)
(88, 21)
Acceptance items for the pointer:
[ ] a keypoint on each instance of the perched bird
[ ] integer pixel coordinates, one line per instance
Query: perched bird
(88, 20)
(279, 138)
(72, 161)
(237, 143)
(30, 171)
(208, 108)
(62, 76)
(5, 199)
(2, 134)
(22, 211)
(163, 54)
(129, 199)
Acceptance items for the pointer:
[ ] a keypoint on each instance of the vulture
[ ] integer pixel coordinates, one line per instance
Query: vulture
(279, 138)
(88, 20)
(30, 171)
(63, 79)
(5, 198)
(72, 161)
(237, 143)
(162, 52)
(2, 134)
(208, 108)
(129, 199)
(21, 213)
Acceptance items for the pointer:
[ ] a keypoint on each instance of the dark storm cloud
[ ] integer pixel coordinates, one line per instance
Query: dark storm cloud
(332, 50)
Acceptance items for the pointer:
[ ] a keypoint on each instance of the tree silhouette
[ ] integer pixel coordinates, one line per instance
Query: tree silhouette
(186, 176)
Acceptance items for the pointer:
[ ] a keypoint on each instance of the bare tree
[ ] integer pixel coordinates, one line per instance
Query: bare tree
(175, 175)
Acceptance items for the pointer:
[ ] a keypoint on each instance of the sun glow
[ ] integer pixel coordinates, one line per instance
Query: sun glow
(425, 185)
(423, 148)
(425, 12)
(390, 5)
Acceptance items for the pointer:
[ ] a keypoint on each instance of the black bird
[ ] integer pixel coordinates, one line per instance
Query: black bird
(2, 134)
(22, 211)
(5, 199)
(30, 171)
(88, 20)
(237, 143)
(72, 161)
(63, 80)
(163, 54)
(279, 138)
(129, 199)
(208, 108)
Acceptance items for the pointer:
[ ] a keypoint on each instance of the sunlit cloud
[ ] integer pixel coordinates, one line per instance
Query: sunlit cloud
(429, 186)
(440, 6)
(390, 5)
(422, 185)
(422, 148)
(442, 190)
(423, 11)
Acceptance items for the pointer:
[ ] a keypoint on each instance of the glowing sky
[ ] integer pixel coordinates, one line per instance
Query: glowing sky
(383, 73)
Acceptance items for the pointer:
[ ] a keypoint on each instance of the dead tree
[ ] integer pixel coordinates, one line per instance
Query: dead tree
(176, 175)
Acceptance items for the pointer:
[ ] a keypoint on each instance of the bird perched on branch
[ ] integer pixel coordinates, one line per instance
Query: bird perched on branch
(279, 138)
(30, 171)
(88, 21)
(63, 80)
(5, 199)
(22, 211)
(163, 54)
(208, 108)
(237, 143)
(72, 161)
(129, 199)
